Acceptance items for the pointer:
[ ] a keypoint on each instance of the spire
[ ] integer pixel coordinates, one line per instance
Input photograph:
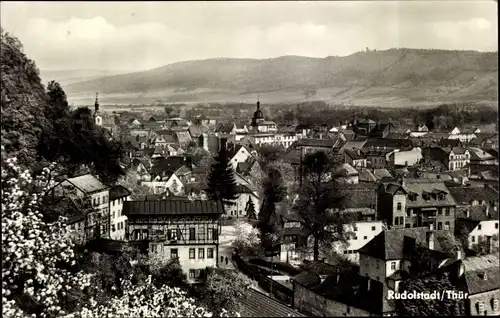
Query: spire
(96, 105)
(258, 102)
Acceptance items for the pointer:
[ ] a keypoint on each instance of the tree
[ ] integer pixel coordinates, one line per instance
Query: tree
(250, 209)
(268, 154)
(221, 181)
(23, 101)
(38, 257)
(247, 238)
(320, 199)
(171, 112)
(274, 192)
(428, 307)
(225, 290)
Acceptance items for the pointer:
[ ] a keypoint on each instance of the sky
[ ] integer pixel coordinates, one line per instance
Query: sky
(144, 35)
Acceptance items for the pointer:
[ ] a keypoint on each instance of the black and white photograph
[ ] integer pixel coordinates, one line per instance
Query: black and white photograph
(249, 158)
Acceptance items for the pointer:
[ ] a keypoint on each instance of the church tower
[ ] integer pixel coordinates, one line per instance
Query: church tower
(258, 116)
(97, 116)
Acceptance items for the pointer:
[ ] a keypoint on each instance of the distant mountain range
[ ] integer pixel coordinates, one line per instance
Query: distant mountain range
(65, 77)
(398, 77)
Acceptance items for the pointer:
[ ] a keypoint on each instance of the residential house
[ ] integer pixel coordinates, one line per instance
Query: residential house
(415, 203)
(284, 140)
(164, 175)
(239, 207)
(143, 168)
(341, 294)
(355, 158)
(483, 173)
(455, 158)
(182, 229)
(378, 158)
(477, 228)
(195, 131)
(252, 306)
(225, 129)
(480, 156)
(478, 277)
(465, 136)
(133, 123)
(237, 154)
(405, 157)
(388, 144)
(308, 145)
(164, 138)
(388, 258)
(485, 140)
(351, 174)
(88, 187)
(364, 226)
(117, 195)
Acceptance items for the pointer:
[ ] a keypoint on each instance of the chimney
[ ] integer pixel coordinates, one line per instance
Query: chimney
(430, 239)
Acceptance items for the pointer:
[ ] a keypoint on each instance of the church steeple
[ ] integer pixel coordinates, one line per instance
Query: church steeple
(257, 115)
(96, 105)
(97, 116)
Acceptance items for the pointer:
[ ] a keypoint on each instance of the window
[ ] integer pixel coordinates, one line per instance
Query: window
(113, 227)
(401, 220)
(373, 228)
(473, 239)
(447, 225)
(407, 225)
(494, 304)
(192, 253)
(210, 234)
(345, 252)
(192, 234)
(440, 211)
(173, 253)
(98, 201)
(365, 237)
(210, 253)
(399, 206)
(201, 233)
(393, 265)
(479, 227)
(191, 273)
(355, 228)
(114, 203)
(496, 225)
(480, 308)
(396, 221)
(201, 252)
(355, 238)
(447, 211)
(153, 248)
(440, 225)
(378, 266)
(215, 234)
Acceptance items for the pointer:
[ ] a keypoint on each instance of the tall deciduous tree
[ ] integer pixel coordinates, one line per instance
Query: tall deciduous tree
(225, 290)
(221, 180)
(320, 200)
(274, 192)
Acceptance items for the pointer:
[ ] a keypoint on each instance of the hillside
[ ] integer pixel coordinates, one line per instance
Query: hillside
(65, 77)
(397, 76)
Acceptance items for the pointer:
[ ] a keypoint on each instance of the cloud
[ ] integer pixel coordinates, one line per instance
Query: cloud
(99, 43)
(134, 35)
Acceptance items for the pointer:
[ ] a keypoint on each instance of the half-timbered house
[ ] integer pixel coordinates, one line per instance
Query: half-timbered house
(178, 228)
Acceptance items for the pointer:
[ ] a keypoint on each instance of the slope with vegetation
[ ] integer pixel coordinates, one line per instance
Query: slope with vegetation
(407, 74)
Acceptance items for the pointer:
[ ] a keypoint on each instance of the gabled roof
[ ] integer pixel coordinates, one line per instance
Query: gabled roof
(394, 244)
(450, 143)
(118, 192)
(88, 183)
(388, 143)
(225, 128)
(172, 207)
(360, 196)
(481, 273)
(349, 170)
(354, 154)
(167, 166)
(464, 195)
(310, 142)
(477, 213)
(260, 305)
